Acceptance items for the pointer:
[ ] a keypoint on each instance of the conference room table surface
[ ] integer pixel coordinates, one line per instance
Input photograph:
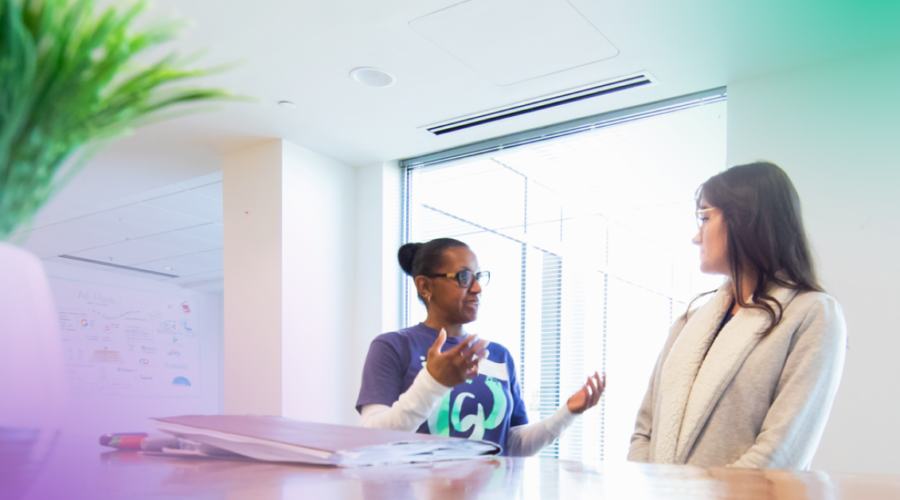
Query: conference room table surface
(78, 468)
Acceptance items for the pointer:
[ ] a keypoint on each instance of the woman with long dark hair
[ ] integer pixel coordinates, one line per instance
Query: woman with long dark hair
(435, 378)
(747, 379)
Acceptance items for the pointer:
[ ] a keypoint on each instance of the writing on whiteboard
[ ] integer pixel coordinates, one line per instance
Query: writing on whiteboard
(119, 341)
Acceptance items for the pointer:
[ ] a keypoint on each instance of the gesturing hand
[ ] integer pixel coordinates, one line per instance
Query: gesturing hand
(457, 365)
(588, 396)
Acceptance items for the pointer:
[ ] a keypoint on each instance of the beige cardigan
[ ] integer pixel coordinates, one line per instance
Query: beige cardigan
(753, 401)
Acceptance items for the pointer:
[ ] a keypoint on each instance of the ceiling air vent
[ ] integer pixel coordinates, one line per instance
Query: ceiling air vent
(567, 97)
(117, 266)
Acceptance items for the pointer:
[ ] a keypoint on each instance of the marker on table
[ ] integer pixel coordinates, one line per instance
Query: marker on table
(123, 440)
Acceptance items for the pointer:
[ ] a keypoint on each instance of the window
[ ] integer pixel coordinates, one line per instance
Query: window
(588, 239)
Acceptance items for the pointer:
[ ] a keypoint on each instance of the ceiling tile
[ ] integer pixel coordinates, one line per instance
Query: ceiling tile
(163, 231)
(135, 274)
(509, 41)
(213, 191)
(213, 260)
(75, 263)
(108, 225)
(153, 220)
(181, 242)
(66, 237)
(106, 269)
(186, 265)
(187, 203)
(128, 253)
(211, 232)
(171, 266)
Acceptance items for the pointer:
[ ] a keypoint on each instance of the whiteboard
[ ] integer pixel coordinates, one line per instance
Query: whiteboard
(124, 341)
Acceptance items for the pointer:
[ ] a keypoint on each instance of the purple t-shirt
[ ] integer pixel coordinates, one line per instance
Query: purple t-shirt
(482, 408)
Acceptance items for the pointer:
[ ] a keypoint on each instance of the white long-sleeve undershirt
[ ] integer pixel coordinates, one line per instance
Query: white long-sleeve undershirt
(425, 395)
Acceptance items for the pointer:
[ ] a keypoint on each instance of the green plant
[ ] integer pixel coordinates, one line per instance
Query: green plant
(69, 79)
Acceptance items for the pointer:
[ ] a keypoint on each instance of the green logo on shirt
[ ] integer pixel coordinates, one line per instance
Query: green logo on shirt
(439, 422)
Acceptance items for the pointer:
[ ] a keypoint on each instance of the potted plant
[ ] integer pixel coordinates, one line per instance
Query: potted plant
(69, 83)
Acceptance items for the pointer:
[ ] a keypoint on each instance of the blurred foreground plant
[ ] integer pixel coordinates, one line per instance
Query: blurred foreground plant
(68, 78)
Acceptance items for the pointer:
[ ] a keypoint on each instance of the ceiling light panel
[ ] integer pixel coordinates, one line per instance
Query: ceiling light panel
(509, 41)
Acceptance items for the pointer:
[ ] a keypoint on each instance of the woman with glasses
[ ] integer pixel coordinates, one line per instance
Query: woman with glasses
(747, 379)
(434, 378)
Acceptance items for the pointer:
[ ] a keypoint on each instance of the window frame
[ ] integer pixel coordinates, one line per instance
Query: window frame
(530, 137)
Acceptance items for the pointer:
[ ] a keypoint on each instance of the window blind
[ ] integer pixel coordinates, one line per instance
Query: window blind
(587, 237)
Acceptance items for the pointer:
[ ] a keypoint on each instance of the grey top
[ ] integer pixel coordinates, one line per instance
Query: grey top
(752, 400)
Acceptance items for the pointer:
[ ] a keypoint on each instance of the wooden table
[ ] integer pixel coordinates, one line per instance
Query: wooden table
(78, 468)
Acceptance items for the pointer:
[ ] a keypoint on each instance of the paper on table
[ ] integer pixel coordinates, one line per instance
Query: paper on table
(279, 439)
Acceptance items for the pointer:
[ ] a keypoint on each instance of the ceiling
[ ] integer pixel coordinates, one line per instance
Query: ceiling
(175, 231)
(304, 51)
(138, 203)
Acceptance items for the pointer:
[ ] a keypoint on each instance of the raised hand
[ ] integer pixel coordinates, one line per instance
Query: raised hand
(588, 396)
(457, 365)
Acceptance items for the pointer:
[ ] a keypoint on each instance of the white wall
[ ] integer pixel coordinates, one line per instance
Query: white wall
(290, 272)
(834, 129)
(318, 209)
(251, 200)
(101, 414)
(378, 278)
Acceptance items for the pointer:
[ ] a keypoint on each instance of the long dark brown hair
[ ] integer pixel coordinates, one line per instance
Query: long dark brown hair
(765, 234)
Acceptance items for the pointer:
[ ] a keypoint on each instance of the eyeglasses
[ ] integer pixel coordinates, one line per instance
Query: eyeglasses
(703, 216)
(465, 278)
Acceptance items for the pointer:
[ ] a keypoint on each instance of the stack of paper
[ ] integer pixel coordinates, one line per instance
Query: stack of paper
(278, 439)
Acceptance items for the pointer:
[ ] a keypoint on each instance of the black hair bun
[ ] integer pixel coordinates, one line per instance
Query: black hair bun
(406, 255)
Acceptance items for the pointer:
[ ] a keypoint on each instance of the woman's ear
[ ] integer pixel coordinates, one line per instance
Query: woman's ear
(423, 286)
